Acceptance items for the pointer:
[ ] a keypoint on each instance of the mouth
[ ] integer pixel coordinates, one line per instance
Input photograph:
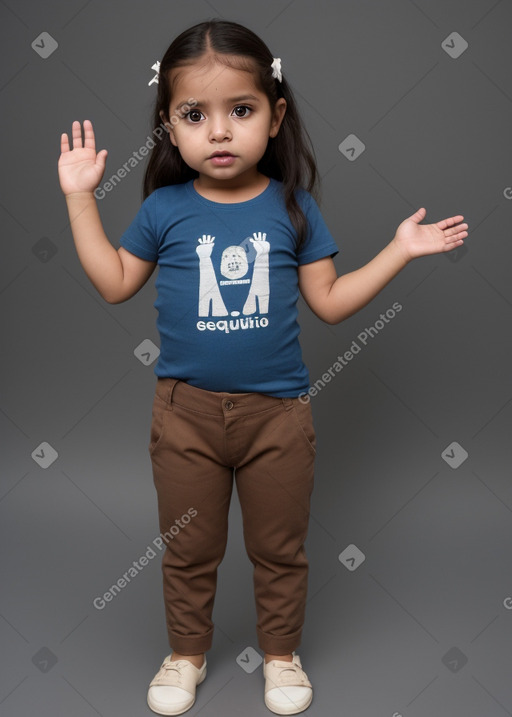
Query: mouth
(222, 159)
(221, 154)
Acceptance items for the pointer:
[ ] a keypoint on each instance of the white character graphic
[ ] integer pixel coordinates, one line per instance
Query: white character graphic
(208, 288)
(234, 265)
(259, 285)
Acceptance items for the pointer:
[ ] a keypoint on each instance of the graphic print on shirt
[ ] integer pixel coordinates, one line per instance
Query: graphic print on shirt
(234, 265)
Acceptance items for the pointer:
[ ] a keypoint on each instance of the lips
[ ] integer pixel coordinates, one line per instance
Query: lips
(221, 154)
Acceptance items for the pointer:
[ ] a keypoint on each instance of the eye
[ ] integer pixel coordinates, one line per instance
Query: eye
(243, 113)
(194, 116)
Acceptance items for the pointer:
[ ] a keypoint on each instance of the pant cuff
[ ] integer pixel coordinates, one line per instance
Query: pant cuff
(278, 644)
(190, 645)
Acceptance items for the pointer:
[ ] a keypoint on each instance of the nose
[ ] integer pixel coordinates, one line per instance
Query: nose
(219, 130)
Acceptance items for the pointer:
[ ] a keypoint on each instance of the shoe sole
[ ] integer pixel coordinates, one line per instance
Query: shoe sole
(173, 711)
(283, 710)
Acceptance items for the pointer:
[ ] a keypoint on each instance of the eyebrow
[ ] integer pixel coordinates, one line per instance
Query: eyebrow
(230, 100)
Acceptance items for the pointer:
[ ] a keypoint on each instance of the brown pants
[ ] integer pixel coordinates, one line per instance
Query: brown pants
(197, 438)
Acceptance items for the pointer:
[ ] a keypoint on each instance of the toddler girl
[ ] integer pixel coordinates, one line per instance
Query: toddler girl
(230, 219)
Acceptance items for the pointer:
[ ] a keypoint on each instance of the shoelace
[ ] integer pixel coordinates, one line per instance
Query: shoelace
(171, 671)
(290, 674)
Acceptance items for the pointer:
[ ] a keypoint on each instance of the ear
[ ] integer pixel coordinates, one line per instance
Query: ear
(169, 127)
(279, 112)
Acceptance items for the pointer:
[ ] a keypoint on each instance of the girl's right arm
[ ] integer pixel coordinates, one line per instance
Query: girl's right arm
(116, 274)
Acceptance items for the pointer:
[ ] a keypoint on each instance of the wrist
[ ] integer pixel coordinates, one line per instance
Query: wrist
(398, 252)
(80, 195)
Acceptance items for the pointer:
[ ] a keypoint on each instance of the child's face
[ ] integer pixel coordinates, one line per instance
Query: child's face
(232, 115)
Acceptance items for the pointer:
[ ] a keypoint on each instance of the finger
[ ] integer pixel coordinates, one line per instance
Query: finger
(101, 158)
(419, 215)
(89, 135)
(77, 134)
(455, 230)
(453, 245)
(450, 221)
(64, 143)
(456, 239)
(459, 236)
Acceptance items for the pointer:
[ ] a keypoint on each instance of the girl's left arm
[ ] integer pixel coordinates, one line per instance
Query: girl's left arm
(334, 298)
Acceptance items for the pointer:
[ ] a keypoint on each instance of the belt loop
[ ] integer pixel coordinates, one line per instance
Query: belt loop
(172, 385)
(288, 403)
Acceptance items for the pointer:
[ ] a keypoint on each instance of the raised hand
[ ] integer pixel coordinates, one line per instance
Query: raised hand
(416, 240)
(80, 169)
(205, 247)
(261, 245)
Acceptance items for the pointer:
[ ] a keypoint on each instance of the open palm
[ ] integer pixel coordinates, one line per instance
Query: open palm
(80, 169)
(417, 240)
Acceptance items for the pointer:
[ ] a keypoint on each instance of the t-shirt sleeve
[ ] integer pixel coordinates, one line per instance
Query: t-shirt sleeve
(141, 238)
(319, 242)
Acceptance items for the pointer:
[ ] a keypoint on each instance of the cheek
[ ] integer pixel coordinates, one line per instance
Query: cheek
(183, 131)
(263, 134)
(174, 136)
(185, 141)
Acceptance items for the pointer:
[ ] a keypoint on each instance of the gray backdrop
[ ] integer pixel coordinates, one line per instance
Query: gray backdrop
(410, 593)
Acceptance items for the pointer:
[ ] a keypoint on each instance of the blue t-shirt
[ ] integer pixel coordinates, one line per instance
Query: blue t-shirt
(228, 286)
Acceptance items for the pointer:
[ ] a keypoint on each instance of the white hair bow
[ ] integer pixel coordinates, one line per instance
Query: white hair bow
(276, 69)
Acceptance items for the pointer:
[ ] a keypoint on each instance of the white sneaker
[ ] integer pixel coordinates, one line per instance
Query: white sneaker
(173, 689)
(287, 688)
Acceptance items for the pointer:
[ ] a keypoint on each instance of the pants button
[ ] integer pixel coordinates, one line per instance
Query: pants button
(229, 405)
